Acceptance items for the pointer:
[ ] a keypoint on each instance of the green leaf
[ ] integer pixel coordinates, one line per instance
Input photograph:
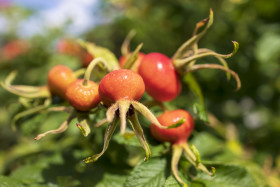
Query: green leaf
(112, 180)
(230, 175)
(29, 173)
(171, 182)
(42, 170)
(207, 144)
(10, 182)
(199, 105)
(148, 174)
(131, 141)
(255, 172)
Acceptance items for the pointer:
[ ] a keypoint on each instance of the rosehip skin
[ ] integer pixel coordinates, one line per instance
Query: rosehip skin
(82, 98)
(86, 58)
(160, 77)
(13, 49)
(67, 46)
(176, 135)
(121, 84)
(59, 77)
(123, 59)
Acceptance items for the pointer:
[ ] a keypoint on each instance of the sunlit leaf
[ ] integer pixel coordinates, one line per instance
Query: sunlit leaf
(148, 174)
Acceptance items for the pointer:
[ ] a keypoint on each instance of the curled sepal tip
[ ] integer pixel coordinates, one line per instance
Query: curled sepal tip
(186, 46)
(107, 137)
(201, 53)
(27, 91)
(140, 134)
(235, 49)
(126, 43)
(216, 66)
(193, 156)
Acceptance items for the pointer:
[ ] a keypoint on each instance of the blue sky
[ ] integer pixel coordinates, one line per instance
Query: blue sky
(37, 4)
(54, 13)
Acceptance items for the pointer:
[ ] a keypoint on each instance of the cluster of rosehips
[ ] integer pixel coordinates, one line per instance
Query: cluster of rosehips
(121, 89)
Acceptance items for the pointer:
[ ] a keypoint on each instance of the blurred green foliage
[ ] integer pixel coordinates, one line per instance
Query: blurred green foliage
(241, 141)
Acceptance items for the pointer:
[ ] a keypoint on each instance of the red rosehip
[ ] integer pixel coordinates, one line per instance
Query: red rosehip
(83, 97)
(160, 77)
(86, 58)
(121, 84)
(59, 77)
(14, 48)
(67, 46)
(176, 135)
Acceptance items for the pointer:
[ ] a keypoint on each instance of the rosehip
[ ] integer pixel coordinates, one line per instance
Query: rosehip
(86, 58)
(178, 138)
(175, 135)
(14, 48)
(66, 46)
(160, 77)
(59, 77)
(121, 84)
(81, 97)
(120, 90)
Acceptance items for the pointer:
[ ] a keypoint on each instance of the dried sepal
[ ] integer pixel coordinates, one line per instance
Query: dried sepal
(197, 155)
(29, 112)
(186, 46)
(24, 91)
(126, 43)
(110, 114)
(140, 134)
(60, 129)
(216, 66)
(123, 108)
(83, 125)
(194, 159)
(130, 63)
(176, 155)
(27, 91)
(60, 109)
(204, 53)
(107, 137)
(147, 113)
(100, 123)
